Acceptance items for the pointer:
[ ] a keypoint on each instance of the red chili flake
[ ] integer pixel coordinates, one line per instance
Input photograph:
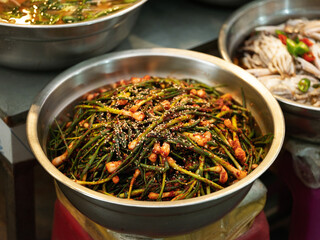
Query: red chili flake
(306, 41)
(283, 38)
(147, 77)
(308, 56)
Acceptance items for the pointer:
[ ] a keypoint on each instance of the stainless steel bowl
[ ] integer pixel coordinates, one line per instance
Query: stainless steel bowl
(154, 219)
(48, 47)
(302, 121)
(225, 3)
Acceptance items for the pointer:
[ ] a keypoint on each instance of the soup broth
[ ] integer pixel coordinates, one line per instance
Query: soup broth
(58, 11)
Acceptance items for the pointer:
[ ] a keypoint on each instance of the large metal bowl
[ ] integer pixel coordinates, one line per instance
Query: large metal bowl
(49, 47)
(302, 121)
(225, 3)
(142, 217)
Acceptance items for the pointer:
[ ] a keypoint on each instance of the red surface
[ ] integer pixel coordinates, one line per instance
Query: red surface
(259, 229)
(305, 215)
(66, 227)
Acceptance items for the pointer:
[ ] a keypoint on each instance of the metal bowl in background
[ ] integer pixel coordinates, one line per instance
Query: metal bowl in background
(156, 219)
(49, 47)
(302, 121)
(225, 3)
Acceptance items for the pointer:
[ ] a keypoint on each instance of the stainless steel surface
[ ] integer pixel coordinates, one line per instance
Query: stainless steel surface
(44, 47)
(225, 3)
(154, 219)
(302, 121)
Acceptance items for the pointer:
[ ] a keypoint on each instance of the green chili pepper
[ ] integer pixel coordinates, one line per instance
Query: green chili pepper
(291, 45)
(304, 85)
(280, 32)
(296, 48)
(301, 48)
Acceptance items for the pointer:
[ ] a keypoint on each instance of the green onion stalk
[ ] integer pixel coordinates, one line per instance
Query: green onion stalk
(157, 139)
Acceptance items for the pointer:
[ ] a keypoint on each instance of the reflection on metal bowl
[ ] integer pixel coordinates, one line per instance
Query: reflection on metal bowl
(49, 47)
(156, 219)
(225, 3)
(302, 121)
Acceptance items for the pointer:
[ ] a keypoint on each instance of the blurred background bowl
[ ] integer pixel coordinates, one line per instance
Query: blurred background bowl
(50, 47)
(155, 219)
(302, 121)
(225, 3)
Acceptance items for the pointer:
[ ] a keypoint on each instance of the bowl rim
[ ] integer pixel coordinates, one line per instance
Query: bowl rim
(35, 109)
(222, 40)
(122, 12)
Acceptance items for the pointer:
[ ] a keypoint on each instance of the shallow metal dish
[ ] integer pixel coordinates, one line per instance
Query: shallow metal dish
(302, 121)
(49, 47)
(154, 219)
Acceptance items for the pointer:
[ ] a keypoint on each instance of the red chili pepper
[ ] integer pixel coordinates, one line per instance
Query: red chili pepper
(283, 38)
(306, 41)
(308, 56)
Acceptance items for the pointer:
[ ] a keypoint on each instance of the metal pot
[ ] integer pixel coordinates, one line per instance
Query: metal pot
(48, 47)
(302, 121)
(156, 219)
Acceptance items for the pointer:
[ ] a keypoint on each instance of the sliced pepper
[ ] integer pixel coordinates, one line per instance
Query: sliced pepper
(291, 46)
(301, 48)
(308, 56)
(295, 49)
(283, 38)
(304, 85)
(306, 41)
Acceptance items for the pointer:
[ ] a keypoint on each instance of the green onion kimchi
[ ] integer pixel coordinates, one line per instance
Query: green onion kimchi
(157, 139)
